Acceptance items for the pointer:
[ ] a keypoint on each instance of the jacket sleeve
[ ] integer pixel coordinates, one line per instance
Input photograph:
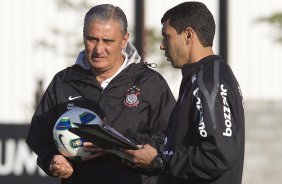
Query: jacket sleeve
(217, 135)
(40, 135)
(162, 105)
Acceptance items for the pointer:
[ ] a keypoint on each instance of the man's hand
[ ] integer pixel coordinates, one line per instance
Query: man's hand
(143, 157)
(95, 150)
(60, 167)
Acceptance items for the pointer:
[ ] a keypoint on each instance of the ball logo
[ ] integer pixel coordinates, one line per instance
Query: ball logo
(61, 141)
(76, 143)
(131, 99)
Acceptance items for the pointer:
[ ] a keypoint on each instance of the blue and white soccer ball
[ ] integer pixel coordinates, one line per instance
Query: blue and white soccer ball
(69, 144)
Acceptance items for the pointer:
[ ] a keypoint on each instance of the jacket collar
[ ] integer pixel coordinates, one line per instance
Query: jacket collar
(190, 68)
(78, 73)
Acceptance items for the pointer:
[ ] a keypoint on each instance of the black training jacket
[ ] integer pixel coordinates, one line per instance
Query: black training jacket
(205, 138)
(143, 119)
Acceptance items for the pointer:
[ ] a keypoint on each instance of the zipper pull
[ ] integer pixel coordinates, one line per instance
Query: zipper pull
(151, 65)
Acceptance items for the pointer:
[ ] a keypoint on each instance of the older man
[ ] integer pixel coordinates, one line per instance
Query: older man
(109, 74)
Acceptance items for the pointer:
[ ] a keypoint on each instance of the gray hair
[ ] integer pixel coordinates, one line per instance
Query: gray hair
(105, 12)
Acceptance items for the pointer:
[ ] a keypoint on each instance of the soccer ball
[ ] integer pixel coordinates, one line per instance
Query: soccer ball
(69, 144)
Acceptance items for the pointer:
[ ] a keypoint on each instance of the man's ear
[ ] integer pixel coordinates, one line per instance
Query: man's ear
(125, 40)
(189, 33)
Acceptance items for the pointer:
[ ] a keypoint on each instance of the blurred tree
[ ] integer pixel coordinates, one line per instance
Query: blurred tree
(275, 20)
(154, 39)
(71, 37)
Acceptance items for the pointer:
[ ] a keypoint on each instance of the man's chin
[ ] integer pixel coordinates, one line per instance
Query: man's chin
(174, 65)
(98, 68)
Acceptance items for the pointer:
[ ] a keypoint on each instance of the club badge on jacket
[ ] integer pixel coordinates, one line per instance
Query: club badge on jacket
(131, 97)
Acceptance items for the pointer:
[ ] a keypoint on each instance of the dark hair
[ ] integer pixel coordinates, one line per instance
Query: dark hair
(106, 12)
(195, 15)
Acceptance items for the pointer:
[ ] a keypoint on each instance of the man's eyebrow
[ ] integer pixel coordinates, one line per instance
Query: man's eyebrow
(164, 34)
(108, 39)
(91, 37)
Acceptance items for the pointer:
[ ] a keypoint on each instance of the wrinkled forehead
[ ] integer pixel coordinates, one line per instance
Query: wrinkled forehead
(110, 24)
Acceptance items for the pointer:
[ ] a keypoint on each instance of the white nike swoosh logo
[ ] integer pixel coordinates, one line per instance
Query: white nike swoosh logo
(72, 98)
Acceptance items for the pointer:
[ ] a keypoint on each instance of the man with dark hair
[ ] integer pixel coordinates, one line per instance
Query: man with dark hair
(205, 135)
(109, 74)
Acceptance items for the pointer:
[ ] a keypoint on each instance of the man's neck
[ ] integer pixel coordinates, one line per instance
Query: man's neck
(201, 53)
(102, 76)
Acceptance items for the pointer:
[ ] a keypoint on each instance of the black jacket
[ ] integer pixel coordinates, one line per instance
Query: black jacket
(205, 138)
(143, 120)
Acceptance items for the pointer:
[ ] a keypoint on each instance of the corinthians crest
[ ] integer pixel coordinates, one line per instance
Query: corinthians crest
(131, 99)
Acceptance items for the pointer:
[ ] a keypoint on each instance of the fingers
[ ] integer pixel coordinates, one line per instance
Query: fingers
(131, 152)
(90, 147)
(88, 144)
(63, 171)
(144, 155)
(60, 167)
(105, 121)
(95, 150)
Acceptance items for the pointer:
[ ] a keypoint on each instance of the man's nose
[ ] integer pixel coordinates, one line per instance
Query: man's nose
(162, 47)
(99, 48)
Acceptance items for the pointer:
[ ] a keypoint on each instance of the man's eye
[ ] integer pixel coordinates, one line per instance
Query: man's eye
(91, 38)
(108, 41)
